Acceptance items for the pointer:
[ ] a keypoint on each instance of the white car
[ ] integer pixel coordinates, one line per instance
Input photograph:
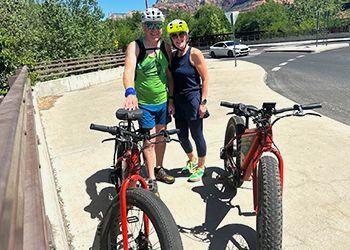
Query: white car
(227, 48)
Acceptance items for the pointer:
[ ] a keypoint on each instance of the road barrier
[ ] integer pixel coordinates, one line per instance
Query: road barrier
(23, 222)
(75, 66)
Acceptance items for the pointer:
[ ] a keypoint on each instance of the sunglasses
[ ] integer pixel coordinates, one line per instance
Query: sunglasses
(180, 34)
(154, 26)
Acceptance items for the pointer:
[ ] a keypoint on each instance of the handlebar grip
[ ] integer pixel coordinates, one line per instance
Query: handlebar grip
(228, 104)
(173, 131)
(311, 106)
(103, 128)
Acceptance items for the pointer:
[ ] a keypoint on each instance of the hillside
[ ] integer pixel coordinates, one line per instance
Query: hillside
(226, 5)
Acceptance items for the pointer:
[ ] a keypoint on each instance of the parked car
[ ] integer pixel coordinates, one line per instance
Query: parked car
(227, 48)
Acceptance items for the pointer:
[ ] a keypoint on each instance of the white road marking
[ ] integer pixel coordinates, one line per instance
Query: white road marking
(276, 69)
(282, 64)
(300, 56)
(291, 60)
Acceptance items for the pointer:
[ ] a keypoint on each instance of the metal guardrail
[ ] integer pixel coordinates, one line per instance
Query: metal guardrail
(74, 66)
(23, 223)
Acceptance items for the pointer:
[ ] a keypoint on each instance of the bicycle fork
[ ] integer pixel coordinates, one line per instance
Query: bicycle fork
(123, 208)
(255, 176)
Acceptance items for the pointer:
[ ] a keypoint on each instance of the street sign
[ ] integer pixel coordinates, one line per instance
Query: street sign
(232, 17)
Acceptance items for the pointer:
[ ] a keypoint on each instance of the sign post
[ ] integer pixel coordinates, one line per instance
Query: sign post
(232, 17)
(317, 25)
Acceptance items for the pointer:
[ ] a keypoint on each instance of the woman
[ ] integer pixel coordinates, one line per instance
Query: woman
(188, 97)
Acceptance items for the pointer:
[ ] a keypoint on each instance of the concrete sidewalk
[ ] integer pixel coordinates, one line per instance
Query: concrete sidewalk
(317, 175)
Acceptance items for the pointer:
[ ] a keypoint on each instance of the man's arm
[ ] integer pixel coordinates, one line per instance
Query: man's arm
(131, 101)
(171, 108)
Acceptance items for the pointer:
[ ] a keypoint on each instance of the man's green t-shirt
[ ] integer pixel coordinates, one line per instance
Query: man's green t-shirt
(151, 80)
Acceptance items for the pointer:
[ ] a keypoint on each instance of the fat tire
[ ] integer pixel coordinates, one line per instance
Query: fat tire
(269, 217)
(231, 132)
(160, 216)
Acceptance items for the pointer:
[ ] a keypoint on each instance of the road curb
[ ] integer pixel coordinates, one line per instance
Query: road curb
(51, 200)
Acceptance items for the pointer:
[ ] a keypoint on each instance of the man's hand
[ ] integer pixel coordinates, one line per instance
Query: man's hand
(131, 102)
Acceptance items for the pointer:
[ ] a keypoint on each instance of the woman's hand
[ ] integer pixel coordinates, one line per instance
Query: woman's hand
(202, 110)
(171, 107)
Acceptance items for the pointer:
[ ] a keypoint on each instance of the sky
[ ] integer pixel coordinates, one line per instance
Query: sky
(123, 6)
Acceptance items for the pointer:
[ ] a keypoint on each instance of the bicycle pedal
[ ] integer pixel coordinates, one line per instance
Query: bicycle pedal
(221, 178)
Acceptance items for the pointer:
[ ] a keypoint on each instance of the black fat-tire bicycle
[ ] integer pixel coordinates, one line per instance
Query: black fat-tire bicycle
(136, 217)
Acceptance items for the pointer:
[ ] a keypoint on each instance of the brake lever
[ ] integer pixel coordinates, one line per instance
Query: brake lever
(176, 140)
(108, 139)
(298, 112)
(313, 114)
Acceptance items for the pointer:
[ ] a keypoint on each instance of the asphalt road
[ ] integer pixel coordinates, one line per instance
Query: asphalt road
(305, 78)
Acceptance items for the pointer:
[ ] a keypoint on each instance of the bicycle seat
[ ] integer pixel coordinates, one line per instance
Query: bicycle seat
(126, 115)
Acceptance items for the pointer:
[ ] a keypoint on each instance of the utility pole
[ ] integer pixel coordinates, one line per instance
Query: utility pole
(146, 2)
(327, 14)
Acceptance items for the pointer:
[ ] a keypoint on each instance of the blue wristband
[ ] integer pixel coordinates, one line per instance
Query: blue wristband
(130, 91)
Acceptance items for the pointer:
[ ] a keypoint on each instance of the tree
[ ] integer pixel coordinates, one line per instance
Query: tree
(271, 17)
(209, 20)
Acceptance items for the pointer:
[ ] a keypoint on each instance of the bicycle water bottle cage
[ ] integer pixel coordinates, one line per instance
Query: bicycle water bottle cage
(129, 115)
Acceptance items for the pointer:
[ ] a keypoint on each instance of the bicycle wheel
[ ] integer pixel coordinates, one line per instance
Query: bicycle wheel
(232, 154)
(269, 216)
(163, 231)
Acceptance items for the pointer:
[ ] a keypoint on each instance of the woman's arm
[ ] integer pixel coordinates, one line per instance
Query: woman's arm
(198, 61)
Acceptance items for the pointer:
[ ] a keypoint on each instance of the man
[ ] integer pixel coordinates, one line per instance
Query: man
(146, 80)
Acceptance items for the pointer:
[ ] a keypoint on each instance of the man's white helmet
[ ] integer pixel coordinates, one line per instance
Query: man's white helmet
(152, 15)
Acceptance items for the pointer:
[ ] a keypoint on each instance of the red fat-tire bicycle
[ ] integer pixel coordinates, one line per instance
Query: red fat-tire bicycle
(136, 217)
(250, 153)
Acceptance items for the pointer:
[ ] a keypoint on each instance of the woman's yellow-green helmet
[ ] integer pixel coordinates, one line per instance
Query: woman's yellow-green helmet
(177, 25)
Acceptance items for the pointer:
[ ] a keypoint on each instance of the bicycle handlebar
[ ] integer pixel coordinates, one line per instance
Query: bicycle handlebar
(229, 104)
(250, 110)
(103, 128)
(298, 107)
(115, 130)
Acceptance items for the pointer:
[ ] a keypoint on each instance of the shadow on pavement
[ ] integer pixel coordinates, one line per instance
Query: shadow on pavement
(99, 201)
(218, 198)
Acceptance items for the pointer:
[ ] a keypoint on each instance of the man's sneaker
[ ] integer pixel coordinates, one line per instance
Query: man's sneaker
(162, 176)
(197, 174)
(153, 187)
(190, 165)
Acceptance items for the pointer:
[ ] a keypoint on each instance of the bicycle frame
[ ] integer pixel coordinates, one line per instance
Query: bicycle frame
(132, 159)
(261, 142)
(127, 164)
